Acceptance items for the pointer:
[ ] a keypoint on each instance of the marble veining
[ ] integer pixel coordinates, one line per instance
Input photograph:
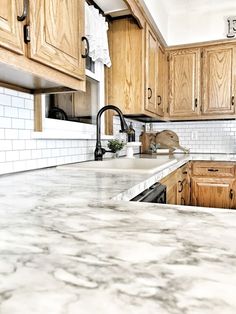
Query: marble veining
(67, 246)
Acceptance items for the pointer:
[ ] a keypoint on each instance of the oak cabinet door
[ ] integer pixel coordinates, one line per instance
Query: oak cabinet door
(184, 81)
(57, 28)
(11, 30)
(213, 192)
(151, 70)
(161, 80)
(219, 80)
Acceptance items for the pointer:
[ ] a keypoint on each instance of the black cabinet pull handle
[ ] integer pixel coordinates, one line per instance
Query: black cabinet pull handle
(181, 186)
(195, 102)
(25, 12)
(160, 100)
(231, 194)
(86, 54)
(232, 101)
(213, 170)
(149, 93)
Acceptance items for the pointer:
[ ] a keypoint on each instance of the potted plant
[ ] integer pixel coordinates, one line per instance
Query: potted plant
(115, 146)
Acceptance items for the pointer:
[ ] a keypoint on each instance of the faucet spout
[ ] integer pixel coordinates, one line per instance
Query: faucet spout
(99, 151)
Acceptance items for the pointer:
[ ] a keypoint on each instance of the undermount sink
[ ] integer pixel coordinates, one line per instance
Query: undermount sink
(123, 165)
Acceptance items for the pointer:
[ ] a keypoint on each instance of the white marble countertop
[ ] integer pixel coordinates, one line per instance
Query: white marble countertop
(69, 244)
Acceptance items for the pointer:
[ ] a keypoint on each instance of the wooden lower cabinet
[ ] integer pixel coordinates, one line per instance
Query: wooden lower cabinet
(171, 184)
(178, 186)
(183, 193)
(213, 184)
(202, 183)
(213, 192)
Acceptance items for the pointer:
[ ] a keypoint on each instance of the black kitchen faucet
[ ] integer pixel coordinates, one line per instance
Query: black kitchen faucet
(99, 150)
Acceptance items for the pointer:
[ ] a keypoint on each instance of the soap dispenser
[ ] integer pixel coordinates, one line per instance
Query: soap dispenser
(131, 133)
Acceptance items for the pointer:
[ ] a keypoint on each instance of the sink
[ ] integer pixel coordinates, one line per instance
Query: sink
(124, 165)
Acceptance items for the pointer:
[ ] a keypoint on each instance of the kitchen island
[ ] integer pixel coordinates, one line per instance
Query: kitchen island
(71, 243)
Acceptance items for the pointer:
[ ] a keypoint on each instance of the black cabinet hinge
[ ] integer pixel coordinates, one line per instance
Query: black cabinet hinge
(26, 34)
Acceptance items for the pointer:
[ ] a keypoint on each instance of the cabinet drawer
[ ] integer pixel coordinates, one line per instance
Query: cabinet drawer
(214, 169)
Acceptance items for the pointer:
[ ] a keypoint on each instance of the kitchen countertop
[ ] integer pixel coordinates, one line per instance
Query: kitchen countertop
(70, 243)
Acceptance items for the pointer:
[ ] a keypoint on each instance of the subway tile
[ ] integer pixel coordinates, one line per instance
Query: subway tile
(2, 156)
(11, 112)
(18, 144)
(17, 123)
(25, 154)
(24, 113)
(17, 102)
(29, 104)
(12, 155)
(5, 100)
(5, 122)
(6, 145)
(11, 134)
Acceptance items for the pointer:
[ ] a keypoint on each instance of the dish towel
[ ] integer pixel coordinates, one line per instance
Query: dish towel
(96, 29)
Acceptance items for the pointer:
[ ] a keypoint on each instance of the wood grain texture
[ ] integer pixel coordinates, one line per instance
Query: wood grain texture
(124, 80)
(213, 184)
(218, 79)
(18, 70)
(161, 81)
(11, 30)
(57, 27)
(184, 82)
(151, 71)
(212, 192)
(171, 183)
(214, 169)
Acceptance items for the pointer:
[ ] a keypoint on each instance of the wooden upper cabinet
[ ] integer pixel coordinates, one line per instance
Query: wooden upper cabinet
(161, 81)
(219, 79)
(151, 70)
(57, 28)
(184, 81)
(11, 30)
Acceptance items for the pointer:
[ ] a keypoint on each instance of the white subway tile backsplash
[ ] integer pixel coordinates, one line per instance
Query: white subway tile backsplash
(29, 104)
(11, 134)
(204, 136)
(24, 113)
(18, 144)
(1, 110)
(10, 92)
(12, 155)
(5, 122)
(17, 123)
(5, 100)
(17, 102)
(25, 154)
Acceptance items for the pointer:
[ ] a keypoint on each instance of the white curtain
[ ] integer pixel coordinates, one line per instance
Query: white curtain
(96, 29)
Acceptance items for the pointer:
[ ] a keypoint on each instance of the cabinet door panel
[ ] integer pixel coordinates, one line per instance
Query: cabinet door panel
(218, 80)
(56, 30)
(161, 82)
(11, 30)
(184, 82)
(212, 192)
(151, 71)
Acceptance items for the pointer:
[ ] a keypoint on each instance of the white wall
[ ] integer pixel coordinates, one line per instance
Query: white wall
(158, 14)
(198, 26)
(190, 21)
